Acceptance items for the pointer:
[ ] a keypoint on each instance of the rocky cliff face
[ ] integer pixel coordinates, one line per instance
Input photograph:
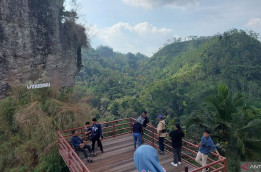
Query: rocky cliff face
(35, 46)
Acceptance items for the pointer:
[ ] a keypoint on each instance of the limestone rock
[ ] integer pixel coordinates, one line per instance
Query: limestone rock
(35, 46)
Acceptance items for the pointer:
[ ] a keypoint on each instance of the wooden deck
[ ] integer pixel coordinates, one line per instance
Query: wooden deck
(118, 151)
(118, 157)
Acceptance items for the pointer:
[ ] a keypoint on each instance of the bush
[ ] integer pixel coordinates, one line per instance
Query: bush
(8, 107)
(52, 162)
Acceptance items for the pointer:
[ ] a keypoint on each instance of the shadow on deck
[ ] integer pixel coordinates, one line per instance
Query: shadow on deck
(118, 151)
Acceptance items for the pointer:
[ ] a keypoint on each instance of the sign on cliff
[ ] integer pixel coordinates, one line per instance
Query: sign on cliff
(38, 86)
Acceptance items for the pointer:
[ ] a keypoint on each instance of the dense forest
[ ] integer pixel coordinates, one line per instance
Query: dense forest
(176, 79)
(204, 82)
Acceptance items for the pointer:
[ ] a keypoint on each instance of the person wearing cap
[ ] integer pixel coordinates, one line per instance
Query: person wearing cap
(161, 130)
(205, 146)
(176, 137)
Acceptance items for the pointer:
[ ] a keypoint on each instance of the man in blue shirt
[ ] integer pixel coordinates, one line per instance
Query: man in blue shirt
(96, 134)
(205, 146)
(80, 145)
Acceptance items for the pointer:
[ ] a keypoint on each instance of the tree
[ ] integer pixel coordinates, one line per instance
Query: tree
(235, 125)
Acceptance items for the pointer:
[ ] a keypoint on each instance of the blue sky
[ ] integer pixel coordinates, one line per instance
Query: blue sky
(145, 25)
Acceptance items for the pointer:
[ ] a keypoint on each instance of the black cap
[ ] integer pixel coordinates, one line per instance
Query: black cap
(94, 119)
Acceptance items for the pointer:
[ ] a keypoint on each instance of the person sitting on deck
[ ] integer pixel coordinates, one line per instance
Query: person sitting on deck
(146, 159)
(80, 145)
(96, 134)
(176, 137)
(205, 146)
(137, 129)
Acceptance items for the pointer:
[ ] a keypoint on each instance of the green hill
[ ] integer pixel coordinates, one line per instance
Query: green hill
(233, 59)
(175, 79)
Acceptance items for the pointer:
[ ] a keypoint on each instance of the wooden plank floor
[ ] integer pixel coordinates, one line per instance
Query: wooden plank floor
(118, 157)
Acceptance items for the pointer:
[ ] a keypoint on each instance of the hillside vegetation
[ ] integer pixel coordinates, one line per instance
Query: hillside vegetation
(174, 80)
(29, 121)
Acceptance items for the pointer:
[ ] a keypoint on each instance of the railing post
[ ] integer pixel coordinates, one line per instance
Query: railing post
(225, 164)
(113, 126)
(69, 157)
(186, 169)
(130, 125)
(153, 139)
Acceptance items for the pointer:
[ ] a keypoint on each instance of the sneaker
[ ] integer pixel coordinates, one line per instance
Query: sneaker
(175, 165)
(179, 162)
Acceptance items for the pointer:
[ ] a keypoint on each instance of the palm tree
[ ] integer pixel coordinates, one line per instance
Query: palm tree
(236, 126)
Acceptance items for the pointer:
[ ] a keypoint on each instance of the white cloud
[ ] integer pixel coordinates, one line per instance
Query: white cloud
(149, 4)
(254, 22)
(123, 37)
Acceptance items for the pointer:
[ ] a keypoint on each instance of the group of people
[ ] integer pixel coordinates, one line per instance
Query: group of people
(205, 146)
(145, 153)
(93, 134)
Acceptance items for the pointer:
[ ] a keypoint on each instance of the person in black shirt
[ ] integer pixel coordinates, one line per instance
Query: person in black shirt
(137, 129)
(176, 137)
(144, 121)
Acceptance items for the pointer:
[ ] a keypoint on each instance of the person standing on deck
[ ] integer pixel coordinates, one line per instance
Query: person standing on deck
(176, 137)
(205, 146)
(87, 131)
(96, 134)
(137, 129)
(161, 129)
(144, 121)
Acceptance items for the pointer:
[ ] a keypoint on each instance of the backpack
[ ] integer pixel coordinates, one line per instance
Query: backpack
(95, 130)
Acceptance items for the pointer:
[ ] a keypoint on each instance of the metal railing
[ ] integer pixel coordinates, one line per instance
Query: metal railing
(124, 126)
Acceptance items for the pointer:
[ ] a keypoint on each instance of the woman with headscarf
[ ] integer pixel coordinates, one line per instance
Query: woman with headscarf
(146, 159)
(176, 137)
